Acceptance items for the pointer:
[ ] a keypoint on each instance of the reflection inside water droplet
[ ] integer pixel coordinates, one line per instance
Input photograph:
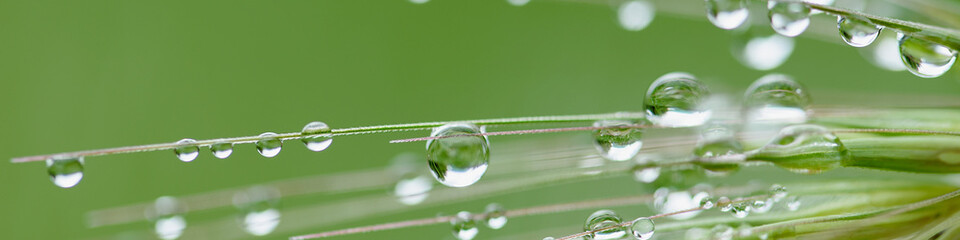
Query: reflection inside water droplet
(187, 151)
(269, 145)
(65, 173)
(857, 33)
(789, 18)
(166, 214)
(925, 58)
(464, 227)
(258, 207)
(221, 150)
(317, 136)
(776, 98)
(727, 14)
(458, 161)
(677, 100)
(496, 217)
(619, 140)
(604, 219)
(413, 189)
(642, 228)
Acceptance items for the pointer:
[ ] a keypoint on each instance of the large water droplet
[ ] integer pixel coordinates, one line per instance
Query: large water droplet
(857, 33)
(718, 150)
(776, 98)
(458, 161)
(221, 150)
(269, 145)
(636, 15)
(258, 206)
(676, 100)
(412, 189)
(65, 173)
(187, 150)
(763, 52)
(317, 137)
(642, 228)
(789, 18)
(496, 217)
(727, 14)
(518, 3)
(619, 140)
(166, 214)
(604, 219)
(804, 149)
(925, 58)
(464, 227)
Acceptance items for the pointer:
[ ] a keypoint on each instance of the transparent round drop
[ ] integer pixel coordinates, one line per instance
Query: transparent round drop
(518, 3)
(793, 203)
(789, 18)
(317, 136)
(65, 173)
(762, 205)
(646, 174)
(805, 148)
(258, 206)
(618, 140)
(413, 189)
(776, 98)
(496, 217)
(269, 145)
(778, 192)
(727, 14)
(925, 58)
(221, 150)
(719, 150)
(464, 227)
(187, 150)
(167, 217)
(857, 33)
(676, 100)
(763, 52)
(636, 15)
(604, 219)
(679, 201)
(642, 228)
(741, 209)
(458, 161)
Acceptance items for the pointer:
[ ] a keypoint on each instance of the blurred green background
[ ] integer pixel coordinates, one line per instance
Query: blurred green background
(82, 75)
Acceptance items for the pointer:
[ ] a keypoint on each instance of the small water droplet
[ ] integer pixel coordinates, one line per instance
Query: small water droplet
(925, 58)
(167, 216)
(724, 203)
(636, 15)
(464, 227)
(806, 148)
(187, 151)
(458, 161)
(741, 208)
(708, 202)
(65, 173)
(269, 145)
(727, 14)
(618, 140)
(776, 98)
(793, 203)
(221, 150)
(604, 219)
(718, 150)
(642, 228)
(317, 137)
(761, 51)
(778, 192)
(676, 100)
(258, 206)
(762, 206)
(413, 189)
(496, 217)
(646, 174)
(518, 3)
(789, 18)
(722, 232)
(857, 33)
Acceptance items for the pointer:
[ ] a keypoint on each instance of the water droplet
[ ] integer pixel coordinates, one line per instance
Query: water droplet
(187, 151)
(269, 145)
(727, 14)
(518, 3)
(636, 15)
(925, 58)
(793, 203)
(604, 219)
(789, 18)
(718, 150)
(618, 140)
(805, 149)
(464, 227)
(722, 232)
(496, 217)
(676, 100)
(680, 201)
(778, 192)
(708, 202)
(741, 208)
(762, 206)
(317, 137)
(65, 173)
(258, 206)
(458, 161)
(763, 52)
(166, 214)
(776, 98)
(549, 238)
(221, 150)
(857, 33)
(646, 174)
(642, 228)
(724, 203)
(413, 189)
(419, 1)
